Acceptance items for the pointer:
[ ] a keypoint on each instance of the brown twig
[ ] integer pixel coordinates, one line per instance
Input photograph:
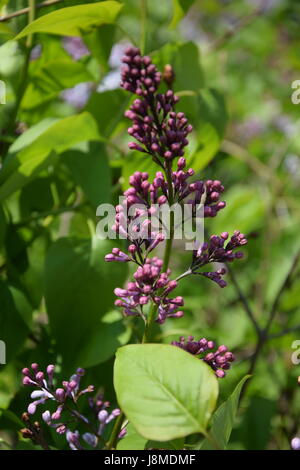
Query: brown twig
(24, 11)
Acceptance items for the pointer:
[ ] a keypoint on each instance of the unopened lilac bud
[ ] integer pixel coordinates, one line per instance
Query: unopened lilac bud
(35, 367)
(295, 443)
(31, 409)
(60, 394)
(40, 377)
(46, 416)
(102, 416)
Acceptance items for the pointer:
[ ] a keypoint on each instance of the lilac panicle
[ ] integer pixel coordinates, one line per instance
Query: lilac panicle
(66, 413)
(219, 361)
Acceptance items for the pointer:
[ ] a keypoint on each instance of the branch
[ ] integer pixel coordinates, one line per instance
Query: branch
(24, 11)
(241, 23)
(284, 332)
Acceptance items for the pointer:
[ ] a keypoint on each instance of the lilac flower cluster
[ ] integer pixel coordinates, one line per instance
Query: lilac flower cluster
(219, 361)
(150, 285)
(216, 251)
(66, 414)
(162, 133)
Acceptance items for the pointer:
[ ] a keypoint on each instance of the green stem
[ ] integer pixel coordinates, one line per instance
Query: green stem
(143, 26)
(112, 443)
(168, 249)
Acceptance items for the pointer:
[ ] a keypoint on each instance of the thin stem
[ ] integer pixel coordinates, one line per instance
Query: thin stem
(170, 238)
(112, 443)
(143, 25)
(284, 332)
(149, 324)
(24, 11)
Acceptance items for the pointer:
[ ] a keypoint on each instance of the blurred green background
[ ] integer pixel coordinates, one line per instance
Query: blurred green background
(64, 152)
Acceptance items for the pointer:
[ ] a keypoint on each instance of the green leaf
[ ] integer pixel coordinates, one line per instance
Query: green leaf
(48, 81)
(75, 20)
(180, 9)
(223, 419)
(79, 288)
(183, 57)
(3, 225)
(108, 109)
(90, 169)
(164, 391)
(137, 161)
(108, 334)
(132, 440)
(233, 218)
(207, 145)
(13, 329)
(19, 170)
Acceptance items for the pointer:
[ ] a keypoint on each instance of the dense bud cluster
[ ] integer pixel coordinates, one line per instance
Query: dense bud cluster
(65, 414)
(150, 284)
(219, 360)
(139, 75)
(218, 251)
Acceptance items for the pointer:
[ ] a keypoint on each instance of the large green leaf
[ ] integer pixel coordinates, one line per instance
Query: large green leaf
(164, 391)
(19, 169)
(75, 20)
(223, 419)
(89, 166)
(79, 288)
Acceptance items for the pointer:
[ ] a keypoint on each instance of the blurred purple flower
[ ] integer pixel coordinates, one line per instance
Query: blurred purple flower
(75, 47)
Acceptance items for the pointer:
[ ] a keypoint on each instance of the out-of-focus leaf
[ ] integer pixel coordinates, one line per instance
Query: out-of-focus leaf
(223, 419)
(109, 334)
(164, 402)
(11, 58)
(208, 143)
(183, 57)
(12, 326)
(107, 109)
(90, 169)
(180, 8)
(79, 291)
(100, 42)
(3, 225)
(48, 81)
(19, 170)
(75, 20)
(137, 161)
(249, 218)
